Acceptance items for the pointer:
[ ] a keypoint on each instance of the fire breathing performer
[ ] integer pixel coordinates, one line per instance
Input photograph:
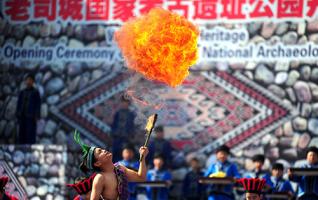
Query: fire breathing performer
(111, 180)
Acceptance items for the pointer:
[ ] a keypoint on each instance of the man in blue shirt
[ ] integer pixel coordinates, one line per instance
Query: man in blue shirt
(158, 173)
(276, 181)
(222, 165)
(308, 185)
(128, 155)
(129, 161)
(258, 172)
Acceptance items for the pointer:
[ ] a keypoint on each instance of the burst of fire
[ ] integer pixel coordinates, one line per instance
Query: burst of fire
(161, 45)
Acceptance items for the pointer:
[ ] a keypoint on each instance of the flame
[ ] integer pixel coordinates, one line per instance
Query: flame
(143, 101)
(161, 45)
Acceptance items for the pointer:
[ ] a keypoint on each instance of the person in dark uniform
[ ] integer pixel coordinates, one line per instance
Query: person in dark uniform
(28, 112)
(191, 188)
(123, 128)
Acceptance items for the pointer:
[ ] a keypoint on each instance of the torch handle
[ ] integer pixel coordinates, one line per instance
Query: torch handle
(145, 145)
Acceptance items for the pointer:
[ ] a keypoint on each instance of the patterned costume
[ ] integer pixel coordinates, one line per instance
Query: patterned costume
(3, 181)
(134, 165)
(122, 182)
(252, 185)
(83, 187)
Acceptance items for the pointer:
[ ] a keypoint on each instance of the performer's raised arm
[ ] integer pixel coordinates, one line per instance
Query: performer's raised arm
(134, 176)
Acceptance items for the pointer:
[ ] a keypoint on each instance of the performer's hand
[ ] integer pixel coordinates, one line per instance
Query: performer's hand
(143, 151)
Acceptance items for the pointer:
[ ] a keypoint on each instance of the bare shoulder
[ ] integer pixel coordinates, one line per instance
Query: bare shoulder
(99, 178)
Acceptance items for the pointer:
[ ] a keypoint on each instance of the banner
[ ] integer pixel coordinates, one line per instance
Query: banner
(219, 43)
(205, 11)
(235, 42)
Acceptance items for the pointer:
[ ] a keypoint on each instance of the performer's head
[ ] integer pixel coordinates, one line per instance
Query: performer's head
(277, 170)
(128, 152)
(158, 161)
(222, 153)
(94, 158)
(258, 161)
(159, 132)
(83, 186)
(253, 187)
(29, 80)
(312, 155)
(3, 181)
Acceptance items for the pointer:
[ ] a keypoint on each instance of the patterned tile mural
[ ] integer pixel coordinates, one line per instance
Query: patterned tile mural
(210, 109)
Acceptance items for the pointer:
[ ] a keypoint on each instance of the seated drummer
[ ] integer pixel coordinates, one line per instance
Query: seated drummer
(276, 181)
(158, 173)
(308, 186)
(225, 167)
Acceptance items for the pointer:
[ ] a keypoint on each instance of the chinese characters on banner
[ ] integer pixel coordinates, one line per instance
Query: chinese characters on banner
(103, 11)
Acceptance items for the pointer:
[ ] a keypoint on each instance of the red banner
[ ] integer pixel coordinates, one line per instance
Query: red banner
(205, 11)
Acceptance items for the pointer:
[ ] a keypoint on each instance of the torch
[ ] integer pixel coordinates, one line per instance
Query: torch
(149, 128)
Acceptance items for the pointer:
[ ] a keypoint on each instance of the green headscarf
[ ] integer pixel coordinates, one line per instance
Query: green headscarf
(88, 151)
